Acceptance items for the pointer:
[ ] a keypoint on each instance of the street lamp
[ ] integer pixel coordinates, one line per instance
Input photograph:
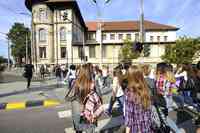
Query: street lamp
(27, 53)
(99, 14)
(33, 43)
(8, 48)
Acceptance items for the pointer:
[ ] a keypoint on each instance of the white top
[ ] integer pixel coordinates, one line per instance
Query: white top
(117, 88)
(183, 74)
(71, 74)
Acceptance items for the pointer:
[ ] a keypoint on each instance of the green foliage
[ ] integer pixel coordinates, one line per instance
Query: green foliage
(182, 52)
(126, 52)
(17, 35)
(146, 50)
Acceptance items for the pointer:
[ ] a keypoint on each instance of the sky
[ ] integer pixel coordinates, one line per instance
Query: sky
(184, 14)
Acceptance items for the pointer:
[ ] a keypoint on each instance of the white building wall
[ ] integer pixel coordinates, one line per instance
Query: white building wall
(171, 36)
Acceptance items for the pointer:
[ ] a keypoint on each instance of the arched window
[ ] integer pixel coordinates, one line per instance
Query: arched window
(42, 35)
(62, 34)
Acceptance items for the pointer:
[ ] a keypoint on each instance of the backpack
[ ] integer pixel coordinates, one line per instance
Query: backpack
(92, 108)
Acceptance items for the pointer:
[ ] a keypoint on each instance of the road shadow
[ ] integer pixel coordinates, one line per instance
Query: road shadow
(33, 89)
(114, 124)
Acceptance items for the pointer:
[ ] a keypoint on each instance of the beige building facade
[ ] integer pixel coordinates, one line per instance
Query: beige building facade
(60, 35)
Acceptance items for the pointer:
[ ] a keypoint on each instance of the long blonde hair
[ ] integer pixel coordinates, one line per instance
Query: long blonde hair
(170, 77)
(138, 85)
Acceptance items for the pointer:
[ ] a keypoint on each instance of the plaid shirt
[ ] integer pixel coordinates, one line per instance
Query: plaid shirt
(164, 87)
(160, 85)
(136, 118)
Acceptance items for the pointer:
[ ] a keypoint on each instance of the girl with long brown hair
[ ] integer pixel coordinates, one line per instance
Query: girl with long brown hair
(137, 103)
(86, 104)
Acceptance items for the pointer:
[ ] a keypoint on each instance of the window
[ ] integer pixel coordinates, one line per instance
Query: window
(165, 38)
(128, 36)
(63, 52)
(91, 36)
(80, 52)
(158, 38)
(137, 37)
(104, 51)
(64, 15)
(42, 35)
(42, 14)
(151, 38)
(112, 36)
(92, 52)
(42, 52)
(120, 36)
(104, 37)
(62, 34)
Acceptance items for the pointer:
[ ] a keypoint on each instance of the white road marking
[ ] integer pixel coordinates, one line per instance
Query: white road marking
(64, 114)
(68, 113)
(69, 130)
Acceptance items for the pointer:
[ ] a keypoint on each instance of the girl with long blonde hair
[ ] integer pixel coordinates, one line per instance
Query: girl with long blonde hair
(137, 103)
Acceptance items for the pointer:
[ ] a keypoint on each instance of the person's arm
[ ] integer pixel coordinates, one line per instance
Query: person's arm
(115, 86)
(127, 130)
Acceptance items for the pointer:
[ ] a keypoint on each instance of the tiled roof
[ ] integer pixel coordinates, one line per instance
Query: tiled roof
(129, 26)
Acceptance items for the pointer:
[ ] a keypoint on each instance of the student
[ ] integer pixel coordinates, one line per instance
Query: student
(28, 73)
(137, 103)
(42, 71)
(117, 92)
(85, 102)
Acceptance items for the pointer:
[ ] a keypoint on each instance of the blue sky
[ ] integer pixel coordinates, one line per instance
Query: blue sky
(184, 14)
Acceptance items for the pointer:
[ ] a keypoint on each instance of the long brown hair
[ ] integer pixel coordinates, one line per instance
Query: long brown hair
(83, 83)
(138, 86)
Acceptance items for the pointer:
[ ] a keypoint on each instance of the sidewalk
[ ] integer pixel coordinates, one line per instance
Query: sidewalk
(14, 90)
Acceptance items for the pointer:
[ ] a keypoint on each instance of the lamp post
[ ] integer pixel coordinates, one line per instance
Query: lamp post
(99, 15)
(33, 43)
(8, 48)
(142, 21)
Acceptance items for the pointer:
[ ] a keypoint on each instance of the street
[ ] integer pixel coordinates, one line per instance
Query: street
(33, 120)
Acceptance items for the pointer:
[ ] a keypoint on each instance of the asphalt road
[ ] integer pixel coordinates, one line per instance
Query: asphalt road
(47, 120)
(33, 120)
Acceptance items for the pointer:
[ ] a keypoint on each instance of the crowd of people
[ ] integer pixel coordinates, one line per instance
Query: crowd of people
(145, 96)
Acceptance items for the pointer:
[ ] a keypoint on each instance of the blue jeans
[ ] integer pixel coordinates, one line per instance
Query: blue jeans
(173, 125)
(120, 101)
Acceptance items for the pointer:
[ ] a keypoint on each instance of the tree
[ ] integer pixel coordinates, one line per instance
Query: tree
(184, 51)
(127, 53)
(17, 35)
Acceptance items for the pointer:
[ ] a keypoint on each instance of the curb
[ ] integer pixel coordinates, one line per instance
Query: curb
(28, 104)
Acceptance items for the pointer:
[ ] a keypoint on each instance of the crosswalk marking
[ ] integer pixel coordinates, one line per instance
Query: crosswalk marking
(68, 113)
(64, 114)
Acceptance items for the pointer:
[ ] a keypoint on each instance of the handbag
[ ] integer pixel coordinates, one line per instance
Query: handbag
(164, 128)
(155, 117)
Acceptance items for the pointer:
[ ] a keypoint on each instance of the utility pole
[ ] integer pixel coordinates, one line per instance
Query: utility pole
(84, 60)
(142, 21)
(99, 15)
(27, 49)
(8, 54)
(101, 43)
